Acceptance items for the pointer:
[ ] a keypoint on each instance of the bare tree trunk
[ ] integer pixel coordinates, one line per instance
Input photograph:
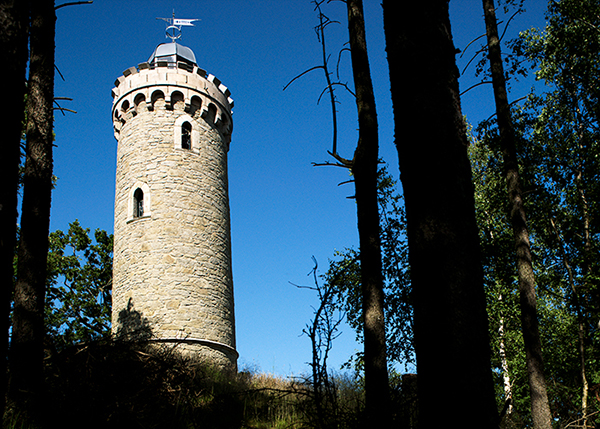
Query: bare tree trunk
(13, 44)
(451, 327)
(504, 363)
(540, 408)
(28, 320)
(364, 168)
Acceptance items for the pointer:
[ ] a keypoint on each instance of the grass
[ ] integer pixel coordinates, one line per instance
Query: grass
(115, 385)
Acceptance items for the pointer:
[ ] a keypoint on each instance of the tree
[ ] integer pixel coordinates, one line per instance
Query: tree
(568, 127)
(540, 408)
(322, 330)
(13, 44)
(28, 316)
(450, 328)
(79, 286)
(363, 167)
(497, 245)
(343, 275)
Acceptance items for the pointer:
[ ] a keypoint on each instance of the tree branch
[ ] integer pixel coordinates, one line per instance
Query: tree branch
(301, 74)
(74, 3)
(483, 82)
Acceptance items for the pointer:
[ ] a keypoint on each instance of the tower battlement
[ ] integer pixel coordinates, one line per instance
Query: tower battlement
(140, 88)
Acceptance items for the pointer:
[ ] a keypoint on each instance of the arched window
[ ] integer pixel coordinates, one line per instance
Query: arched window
(138, 203)
(211, 114)
(157, 99)
(186, 135)
(177, 100)
(140, 103)
(195, 105)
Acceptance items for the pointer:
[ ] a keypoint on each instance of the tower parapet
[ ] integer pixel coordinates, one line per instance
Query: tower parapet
(172, 279)
(140, 87)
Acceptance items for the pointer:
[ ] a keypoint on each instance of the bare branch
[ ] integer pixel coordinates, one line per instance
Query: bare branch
(483, 82)
(337, 67)
(517, 100)
(335, 83)
(470, 43)
(472, 59)
(303, 287)
(74, 3)
(328, 164)
(302, 74)
(590, 25)
(62, 109)
(321, 28)
(345, 85)
(348, 163)
(510, 104)
(507, 23)
(59, 73)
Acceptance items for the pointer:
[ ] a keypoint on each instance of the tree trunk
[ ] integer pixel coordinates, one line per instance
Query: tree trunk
(13, 43)
(364, 169)
(587, 270)
(450, 321)
(540, 408)
(580, 323)
(28, 320)
(504, 364)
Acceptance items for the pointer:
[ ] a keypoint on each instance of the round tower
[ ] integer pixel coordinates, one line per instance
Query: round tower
(172, 280)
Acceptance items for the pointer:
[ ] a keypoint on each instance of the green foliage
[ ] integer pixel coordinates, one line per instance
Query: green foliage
(559, 152)
(344, 275)
(566, 135)
(78, 299)
(497, 244)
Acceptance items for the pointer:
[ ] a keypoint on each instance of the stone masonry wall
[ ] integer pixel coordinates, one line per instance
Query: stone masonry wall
(172, 277)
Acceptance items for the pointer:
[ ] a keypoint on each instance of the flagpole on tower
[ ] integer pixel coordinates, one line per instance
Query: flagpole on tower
(173, 30)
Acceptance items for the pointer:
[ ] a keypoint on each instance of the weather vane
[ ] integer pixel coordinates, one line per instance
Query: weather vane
(173, 30)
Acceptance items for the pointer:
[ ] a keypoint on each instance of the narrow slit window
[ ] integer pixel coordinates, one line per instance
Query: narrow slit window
(138, 203)
(186, 135)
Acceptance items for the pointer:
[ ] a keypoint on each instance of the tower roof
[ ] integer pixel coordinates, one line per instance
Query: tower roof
(172, 53)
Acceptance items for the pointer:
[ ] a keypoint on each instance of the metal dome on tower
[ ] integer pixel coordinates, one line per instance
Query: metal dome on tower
(172, 53)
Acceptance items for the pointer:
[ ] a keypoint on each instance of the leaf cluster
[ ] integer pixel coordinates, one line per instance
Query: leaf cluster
(79, 284)
(558, 149)
(344, 275)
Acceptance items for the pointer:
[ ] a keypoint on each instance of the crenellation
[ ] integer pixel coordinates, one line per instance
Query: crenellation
(130, 71)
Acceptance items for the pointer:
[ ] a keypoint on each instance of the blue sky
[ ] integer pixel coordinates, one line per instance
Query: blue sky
(283, 210)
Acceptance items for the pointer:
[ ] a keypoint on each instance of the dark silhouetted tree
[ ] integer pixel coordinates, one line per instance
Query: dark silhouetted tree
(450, 320)
(28, 318)
(13, 45)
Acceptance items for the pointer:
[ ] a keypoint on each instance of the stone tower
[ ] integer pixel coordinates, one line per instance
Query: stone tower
(172, 280)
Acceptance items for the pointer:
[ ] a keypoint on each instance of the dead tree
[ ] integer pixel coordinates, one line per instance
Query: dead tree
(363, 166)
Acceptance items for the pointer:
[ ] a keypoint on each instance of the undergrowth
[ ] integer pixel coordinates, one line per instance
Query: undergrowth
(116, 385)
